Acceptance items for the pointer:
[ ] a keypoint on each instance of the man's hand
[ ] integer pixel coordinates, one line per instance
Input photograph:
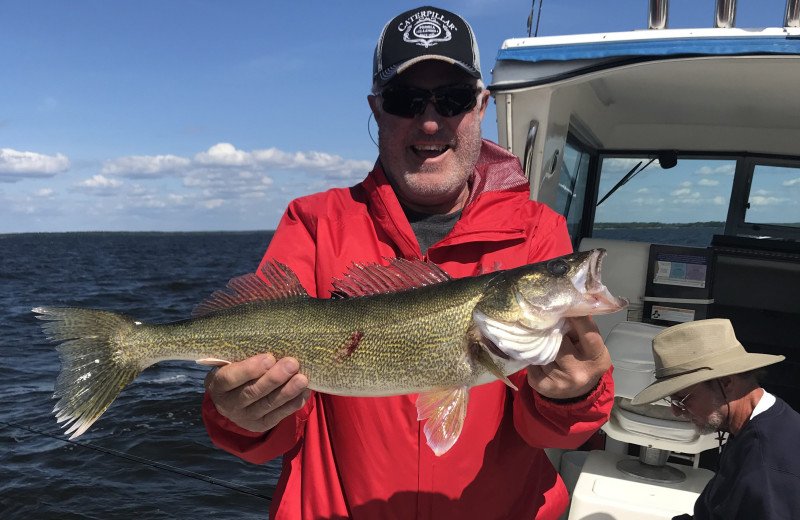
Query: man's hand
(259, 392)
(581, 362)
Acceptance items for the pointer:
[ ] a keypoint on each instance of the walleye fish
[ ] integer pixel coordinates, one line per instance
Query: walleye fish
(405, 328)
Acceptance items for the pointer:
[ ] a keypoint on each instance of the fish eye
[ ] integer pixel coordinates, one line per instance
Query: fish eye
(558, 267)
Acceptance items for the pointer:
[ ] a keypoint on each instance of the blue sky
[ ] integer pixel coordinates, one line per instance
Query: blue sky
(208, 115)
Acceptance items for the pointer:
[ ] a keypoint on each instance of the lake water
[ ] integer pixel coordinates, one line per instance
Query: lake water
(154, 277)
(149, 455)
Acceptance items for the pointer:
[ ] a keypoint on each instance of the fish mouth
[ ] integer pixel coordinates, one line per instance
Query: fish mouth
(588, 281)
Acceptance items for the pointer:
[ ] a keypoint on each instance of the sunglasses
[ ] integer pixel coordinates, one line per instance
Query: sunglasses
(678, 404)
(411, 102)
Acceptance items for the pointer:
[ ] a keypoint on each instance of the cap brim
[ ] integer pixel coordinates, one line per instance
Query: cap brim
(388, 74)
(661, 389)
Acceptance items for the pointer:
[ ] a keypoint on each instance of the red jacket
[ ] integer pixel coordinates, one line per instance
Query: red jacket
(367, 458)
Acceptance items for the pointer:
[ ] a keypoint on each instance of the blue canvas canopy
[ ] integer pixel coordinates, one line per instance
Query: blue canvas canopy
(711, 46)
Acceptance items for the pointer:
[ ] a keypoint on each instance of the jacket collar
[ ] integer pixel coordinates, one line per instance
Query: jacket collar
(496, 170)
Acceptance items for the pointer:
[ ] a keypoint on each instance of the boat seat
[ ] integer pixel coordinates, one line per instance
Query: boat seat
(624, 272)
(651, 425)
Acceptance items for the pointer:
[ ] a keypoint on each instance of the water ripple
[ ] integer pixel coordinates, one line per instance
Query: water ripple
(157, 277)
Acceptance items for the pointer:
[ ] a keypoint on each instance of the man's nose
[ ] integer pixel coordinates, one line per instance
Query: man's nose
(430, 120)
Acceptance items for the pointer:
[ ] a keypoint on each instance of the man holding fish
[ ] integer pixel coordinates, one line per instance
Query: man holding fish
(410, 345)
(438, 193)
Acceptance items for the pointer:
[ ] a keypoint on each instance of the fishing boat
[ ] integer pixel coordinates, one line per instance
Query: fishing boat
(655, 126)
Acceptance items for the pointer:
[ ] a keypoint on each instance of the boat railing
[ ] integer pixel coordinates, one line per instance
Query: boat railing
(724, 14)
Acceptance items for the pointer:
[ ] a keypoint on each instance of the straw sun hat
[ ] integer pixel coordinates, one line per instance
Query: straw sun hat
(698, 351)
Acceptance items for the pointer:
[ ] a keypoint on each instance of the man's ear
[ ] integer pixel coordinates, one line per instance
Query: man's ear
(728, 384)
(374, 105)
(484, 102)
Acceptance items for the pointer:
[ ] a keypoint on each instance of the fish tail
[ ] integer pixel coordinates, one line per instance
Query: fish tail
(94, 365)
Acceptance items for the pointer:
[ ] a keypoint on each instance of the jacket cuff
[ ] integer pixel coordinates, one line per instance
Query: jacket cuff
(572, 400)
(601, 391)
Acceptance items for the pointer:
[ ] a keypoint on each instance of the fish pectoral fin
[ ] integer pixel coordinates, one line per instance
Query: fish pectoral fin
(483, 358)
(445, 411)
(212, 362)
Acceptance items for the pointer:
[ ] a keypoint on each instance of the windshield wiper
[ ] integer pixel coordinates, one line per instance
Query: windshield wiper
(628, 176)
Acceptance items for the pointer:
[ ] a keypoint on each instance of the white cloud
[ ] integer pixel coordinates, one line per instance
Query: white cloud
(224, 154)
(312, 161)
(272, 156)
(212, 204)
(708, 182)
(150, 202)
(765, 201)
(686, 196)
(100, 182)
(137, 190)
(205, 190)
(16, 165)
(226, 173)
(619, 165)
(254, 195)
(648, 202)
(725, 169)
(210, 179)
(791, 182)
(342, 168)
(232, 173)
(142, 166)
(191, 181)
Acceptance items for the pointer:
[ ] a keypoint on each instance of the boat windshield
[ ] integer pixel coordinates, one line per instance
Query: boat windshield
(774, 197)
(686, 204)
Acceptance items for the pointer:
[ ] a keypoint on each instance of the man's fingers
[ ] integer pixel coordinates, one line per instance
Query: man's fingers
(278, 392)
(226, 378)
(244, 383)
(210, 375)
(584, 325)
(581, 361)
(259, 392)
(271, 410)
(585, 335)
(273, 381)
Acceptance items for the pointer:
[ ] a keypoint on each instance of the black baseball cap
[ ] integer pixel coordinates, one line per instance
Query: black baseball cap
(424, 33)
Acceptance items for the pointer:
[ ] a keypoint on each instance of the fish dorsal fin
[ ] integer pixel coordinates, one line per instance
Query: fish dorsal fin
(399, 275)
(281, 283)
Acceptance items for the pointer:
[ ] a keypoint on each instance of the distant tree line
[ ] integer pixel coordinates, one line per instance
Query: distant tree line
(653, 225)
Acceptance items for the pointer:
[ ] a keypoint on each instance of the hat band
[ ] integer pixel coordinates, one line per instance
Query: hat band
(672, 376)
(706, 362)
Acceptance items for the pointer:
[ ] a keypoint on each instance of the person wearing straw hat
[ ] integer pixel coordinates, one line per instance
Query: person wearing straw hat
(705, 374)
